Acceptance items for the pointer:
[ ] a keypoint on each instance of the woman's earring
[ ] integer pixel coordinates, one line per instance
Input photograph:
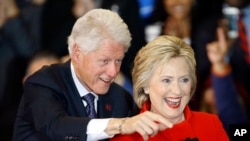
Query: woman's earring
(146, 91)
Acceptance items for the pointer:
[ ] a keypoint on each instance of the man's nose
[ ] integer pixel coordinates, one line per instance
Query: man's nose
(113, 70)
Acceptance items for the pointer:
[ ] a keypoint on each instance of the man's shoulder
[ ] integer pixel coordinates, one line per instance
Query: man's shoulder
(114, 88)
(118, 93)
(51, 75)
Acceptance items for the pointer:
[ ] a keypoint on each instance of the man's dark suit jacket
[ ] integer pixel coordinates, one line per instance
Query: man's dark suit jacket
(51, 107)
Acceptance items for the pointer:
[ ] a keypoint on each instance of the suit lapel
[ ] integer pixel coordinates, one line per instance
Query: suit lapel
(76, 107)
(105, 106)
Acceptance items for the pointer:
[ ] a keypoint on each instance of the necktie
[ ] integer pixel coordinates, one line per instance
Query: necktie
(243, 38)
(90, 108)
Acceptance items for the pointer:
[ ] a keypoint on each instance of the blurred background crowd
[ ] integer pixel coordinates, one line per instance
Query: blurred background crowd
(34, 33)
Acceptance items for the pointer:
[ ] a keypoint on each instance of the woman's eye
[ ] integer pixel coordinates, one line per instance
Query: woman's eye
(166, 80)
(185, 80)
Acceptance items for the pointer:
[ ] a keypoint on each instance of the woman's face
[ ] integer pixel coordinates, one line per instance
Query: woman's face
(178, 9)
(169, 89)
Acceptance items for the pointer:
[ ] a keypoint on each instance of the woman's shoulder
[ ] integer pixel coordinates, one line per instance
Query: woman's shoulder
(205, 117)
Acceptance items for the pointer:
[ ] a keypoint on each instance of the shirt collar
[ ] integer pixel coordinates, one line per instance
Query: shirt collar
(80, 88)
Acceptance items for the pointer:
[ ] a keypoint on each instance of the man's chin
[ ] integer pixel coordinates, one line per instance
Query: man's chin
(102, 90)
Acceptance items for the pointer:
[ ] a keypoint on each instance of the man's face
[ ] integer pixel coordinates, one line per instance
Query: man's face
(98, 69)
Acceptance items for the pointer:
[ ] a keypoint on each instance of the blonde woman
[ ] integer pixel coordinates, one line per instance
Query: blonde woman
(164, 81)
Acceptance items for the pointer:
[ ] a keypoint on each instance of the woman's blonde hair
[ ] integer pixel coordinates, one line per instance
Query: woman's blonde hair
(153, 56)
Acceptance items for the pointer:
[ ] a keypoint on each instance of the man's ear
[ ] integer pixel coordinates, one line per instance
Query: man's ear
(76, 52)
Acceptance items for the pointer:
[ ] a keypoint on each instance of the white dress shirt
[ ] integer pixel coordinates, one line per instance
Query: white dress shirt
(96, 127)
